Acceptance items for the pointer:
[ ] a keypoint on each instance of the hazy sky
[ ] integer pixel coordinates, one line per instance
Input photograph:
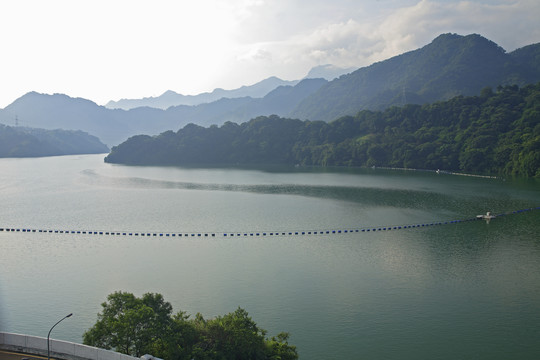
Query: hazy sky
(111, 49)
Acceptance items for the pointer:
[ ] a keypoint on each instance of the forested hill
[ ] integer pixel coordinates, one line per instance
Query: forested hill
(496, 132)
(32, 142)
(450, 65)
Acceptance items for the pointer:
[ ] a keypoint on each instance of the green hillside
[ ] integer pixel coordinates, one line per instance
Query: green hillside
(496, 132)
(31, 142)
(450, 65)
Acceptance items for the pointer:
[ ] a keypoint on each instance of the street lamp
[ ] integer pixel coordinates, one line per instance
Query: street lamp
(49, 334)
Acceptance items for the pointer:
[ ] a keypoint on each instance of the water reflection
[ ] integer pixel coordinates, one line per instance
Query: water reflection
(428, 198)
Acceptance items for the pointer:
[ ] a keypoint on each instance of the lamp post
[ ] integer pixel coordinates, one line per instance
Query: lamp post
(49, 334)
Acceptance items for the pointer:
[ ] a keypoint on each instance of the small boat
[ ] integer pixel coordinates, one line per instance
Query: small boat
(486, 216)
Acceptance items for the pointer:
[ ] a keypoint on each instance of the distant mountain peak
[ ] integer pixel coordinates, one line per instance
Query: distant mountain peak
(48, 98)
(169, 93)
(171, 98)
(471, 40)
(328, 72)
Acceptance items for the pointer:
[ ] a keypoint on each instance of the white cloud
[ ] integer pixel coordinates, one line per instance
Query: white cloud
(362, 41)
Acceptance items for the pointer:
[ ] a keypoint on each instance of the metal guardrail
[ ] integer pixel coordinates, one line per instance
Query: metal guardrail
(35, 345)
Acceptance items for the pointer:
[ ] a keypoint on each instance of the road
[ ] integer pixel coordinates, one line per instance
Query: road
(9, 355)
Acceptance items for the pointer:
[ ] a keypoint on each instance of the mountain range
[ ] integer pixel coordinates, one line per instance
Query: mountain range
(258, 90)
(450, 65)
(171, 98)
(112, 126)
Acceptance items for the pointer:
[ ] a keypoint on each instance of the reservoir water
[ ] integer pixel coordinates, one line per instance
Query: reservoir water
(465, 290)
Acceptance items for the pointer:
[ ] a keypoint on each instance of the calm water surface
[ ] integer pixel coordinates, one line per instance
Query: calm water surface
(457, 291)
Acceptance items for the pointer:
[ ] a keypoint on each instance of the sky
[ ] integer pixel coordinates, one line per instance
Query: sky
(105, 50)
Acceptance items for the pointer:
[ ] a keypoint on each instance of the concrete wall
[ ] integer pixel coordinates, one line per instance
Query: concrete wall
(58, 349)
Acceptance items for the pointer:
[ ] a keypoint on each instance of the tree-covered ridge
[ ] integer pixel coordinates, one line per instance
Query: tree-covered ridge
(497, 132)
(450, 65)
(147, 325)
(32, 142)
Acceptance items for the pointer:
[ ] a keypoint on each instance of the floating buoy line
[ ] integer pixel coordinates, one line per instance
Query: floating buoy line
(447, 172)
(259, 233)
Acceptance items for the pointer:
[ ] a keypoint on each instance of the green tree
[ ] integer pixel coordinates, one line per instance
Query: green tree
(234, 336)
(180, 340)
(128, 324)
(280, 349)
(137, 326)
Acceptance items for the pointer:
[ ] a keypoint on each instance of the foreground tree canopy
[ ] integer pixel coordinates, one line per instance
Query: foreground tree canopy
(147, 325)
(497, 132)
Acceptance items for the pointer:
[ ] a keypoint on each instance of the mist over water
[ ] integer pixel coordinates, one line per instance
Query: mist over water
(466, 290)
